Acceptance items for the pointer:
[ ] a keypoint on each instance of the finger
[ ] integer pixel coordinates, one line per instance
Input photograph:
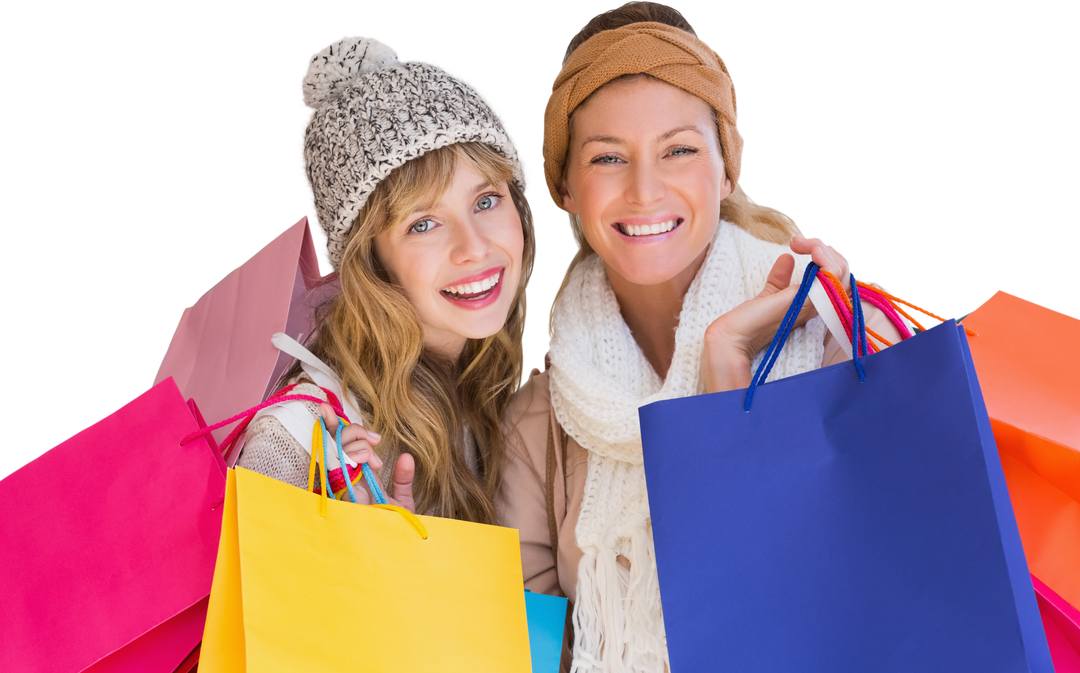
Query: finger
(404, 471)
(824, 256)
(845, 260)
(751, 324)
(804, 244)
(329, 416)
(824, 259)
(356, 438)
(779, 276)
(362, 452)
(773, 309)
(357, 432)
(807, 245)
(830, 260)
(362, 495)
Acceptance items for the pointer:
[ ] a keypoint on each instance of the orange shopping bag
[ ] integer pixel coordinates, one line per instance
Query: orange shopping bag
(1029, 370)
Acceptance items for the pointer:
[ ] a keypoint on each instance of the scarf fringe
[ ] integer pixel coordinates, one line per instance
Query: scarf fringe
(614, 631)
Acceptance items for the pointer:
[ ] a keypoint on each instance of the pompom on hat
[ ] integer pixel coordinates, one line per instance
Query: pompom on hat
(372, 114)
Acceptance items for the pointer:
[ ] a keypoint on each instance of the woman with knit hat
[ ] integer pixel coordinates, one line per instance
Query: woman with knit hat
(421, 195)
(679, 282)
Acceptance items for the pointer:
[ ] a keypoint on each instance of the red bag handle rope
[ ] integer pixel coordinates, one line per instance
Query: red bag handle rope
(277, 398)
(889, 304)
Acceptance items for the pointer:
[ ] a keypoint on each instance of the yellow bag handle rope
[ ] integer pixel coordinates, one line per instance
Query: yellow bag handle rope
(318, 458)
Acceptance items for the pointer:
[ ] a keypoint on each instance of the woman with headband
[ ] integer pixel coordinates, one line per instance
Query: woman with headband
(421, 195)
(679, 282)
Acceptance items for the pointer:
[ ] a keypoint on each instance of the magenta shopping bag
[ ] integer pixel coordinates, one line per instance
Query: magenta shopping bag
(109, 542)
(221, 353)
(1061, 622)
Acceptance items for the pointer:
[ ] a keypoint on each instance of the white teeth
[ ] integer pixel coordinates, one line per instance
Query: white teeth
(647, 229)
(474, 288)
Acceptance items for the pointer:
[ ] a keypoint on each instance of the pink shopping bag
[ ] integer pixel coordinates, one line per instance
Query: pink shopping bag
(1061, 622)
(109, 543)
(221, 353)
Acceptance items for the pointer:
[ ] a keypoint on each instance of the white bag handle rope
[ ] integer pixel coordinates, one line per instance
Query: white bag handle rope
(294, 416)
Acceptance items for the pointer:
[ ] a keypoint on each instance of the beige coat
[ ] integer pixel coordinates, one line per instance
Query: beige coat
(549, 550)
(528, 479)
(522, 501)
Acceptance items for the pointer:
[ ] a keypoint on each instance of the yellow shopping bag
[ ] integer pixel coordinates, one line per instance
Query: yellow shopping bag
(302, 584)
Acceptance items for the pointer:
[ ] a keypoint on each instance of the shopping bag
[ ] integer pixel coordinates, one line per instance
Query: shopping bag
(547, 620)
(1061, 622)
(842, 523)
(191, 663)
(1029, 391)
(358, 588)
(109, 543)
(1029, 370)
(221, 353)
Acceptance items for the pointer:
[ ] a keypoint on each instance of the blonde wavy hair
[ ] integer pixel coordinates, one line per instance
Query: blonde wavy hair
(372, 336)
(760, 221)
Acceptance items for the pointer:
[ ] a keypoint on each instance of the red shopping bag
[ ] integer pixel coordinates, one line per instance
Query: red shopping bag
(221, 353)
(109, 543)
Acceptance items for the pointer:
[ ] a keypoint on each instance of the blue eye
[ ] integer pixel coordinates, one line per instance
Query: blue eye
(606, 159)
(488, 202)
(421, 226)
(679, 151)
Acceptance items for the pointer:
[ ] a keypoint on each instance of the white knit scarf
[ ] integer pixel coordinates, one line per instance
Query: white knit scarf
(599, 378)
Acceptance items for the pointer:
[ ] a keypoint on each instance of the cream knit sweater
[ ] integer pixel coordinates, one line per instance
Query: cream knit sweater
(270, 449)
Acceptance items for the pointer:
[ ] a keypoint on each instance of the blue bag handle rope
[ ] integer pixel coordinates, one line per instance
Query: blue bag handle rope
(369, 476)
(318, 434)
(858, 329)
(858, 333)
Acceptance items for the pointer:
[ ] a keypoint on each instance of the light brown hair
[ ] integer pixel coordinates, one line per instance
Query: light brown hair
(372, 336)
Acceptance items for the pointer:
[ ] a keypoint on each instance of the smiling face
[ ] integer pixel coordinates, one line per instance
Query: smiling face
(645, 175)
(459, 260)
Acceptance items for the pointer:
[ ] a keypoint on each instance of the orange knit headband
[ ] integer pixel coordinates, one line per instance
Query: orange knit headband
(656, 49)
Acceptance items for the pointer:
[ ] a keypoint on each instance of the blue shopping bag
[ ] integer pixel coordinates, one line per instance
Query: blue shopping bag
(547, 619)
(842, 523)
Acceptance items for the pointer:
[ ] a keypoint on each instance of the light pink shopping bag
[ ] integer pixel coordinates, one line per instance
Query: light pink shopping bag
(221, 353)
(109, 542)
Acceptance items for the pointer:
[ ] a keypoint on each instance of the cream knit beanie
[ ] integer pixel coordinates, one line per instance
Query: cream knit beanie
(368, 110)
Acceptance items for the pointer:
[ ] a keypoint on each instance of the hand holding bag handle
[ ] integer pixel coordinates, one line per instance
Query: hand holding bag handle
(891, 306)
(850, 314)
(318, 460)
(788, 324)
(816, 502)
